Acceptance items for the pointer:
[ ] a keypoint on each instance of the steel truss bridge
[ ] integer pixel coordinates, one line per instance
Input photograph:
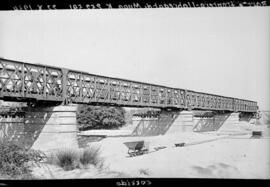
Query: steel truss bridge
(25, 82)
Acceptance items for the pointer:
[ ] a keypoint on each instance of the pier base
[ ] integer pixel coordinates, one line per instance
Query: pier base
(217, 122)
(167, 122)
(227, 122)
(171, 122)
(48, 128)
(182, 123)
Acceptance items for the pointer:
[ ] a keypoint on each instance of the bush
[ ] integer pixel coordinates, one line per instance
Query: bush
(91, 155)
(69, 159)
(14, 159)
(100, 117)
(66, 159)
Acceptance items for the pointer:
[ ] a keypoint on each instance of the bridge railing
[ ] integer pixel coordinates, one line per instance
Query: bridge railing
(22, 81)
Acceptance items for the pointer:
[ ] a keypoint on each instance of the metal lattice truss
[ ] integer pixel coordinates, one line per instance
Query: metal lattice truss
(24, 81)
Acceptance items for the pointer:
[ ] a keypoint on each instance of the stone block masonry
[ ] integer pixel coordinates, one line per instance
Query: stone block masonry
(43, 128)
(170, 122)
(167, 122)
(183, 122)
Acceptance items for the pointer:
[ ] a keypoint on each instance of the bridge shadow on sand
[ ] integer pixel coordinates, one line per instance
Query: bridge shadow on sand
(206, 122)
(159, 126)
(23, 129)
(155, 126)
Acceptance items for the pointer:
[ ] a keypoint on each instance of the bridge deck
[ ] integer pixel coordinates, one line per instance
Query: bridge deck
(20, 81)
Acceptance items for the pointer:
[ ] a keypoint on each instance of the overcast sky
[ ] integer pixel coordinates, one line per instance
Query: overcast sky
(216, 50)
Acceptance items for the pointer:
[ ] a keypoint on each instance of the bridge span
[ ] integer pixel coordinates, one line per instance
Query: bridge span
(51, 122)
(26, 82)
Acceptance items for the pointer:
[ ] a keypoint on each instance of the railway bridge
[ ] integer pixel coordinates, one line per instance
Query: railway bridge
(54, 91)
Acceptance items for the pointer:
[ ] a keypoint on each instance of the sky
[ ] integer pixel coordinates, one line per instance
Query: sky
(223, 51)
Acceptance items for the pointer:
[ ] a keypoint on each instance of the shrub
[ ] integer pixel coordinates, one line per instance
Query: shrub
(67, 159)
(91, 155)
(100, 117)
(14, 159)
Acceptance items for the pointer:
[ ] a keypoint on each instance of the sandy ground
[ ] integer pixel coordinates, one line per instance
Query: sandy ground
(210, 156)
(46, 171)
(226, 158)
(204, 156)
(105, 132)
(220, 154)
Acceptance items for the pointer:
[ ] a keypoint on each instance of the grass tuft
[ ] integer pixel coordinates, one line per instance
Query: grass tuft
(69, 159)
(91, 155)
(65, 158)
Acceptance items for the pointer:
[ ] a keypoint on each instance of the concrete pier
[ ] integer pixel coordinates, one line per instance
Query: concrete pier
(167, 122)
(170, 122)
(48, 128)
(226, 121)
(182, 123)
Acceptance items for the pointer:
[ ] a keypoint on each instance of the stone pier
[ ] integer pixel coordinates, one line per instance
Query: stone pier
(182, 123)
(222, 122)
(48, 128)
(170, 122)
(167, 122)
(227, 122)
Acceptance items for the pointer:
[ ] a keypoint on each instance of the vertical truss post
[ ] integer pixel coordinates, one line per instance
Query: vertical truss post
(195, 101)
(45, 82)
(64, 86)
(166, 97)
(80, 86)
(23, 81)
(108, 89)
(141, 94)
(185, 99)
(95, 88)
(150, 92)
(158, 99)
